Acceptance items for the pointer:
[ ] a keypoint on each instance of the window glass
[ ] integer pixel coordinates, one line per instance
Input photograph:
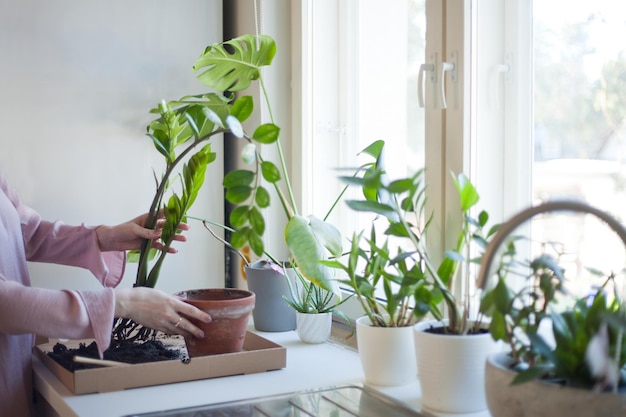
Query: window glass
(579, 124)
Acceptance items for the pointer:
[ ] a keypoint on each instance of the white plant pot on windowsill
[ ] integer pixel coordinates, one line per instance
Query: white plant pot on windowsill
(452, 368)
(387, 353)
(314, 327)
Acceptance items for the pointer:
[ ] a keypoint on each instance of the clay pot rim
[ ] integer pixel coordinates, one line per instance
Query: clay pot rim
(242, 294)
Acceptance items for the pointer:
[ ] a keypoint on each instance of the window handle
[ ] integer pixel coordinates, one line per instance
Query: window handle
(499, 71)
(420, 81)
(446, 66)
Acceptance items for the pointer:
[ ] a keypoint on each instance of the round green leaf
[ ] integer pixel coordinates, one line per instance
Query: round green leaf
(238, 194)
(239, 238)
(238, 177)
(257, 222)
(266, 133)
(270, 172)
(239, 216)
(242, 108)
(262, 197)
(256, 244)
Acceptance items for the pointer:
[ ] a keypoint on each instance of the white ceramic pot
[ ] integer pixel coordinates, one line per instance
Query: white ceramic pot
(387, 353)
(315, 327)
(452, 369)
(542, 399)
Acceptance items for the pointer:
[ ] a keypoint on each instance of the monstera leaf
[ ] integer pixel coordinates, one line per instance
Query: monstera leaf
(232, 65)
(310, 241)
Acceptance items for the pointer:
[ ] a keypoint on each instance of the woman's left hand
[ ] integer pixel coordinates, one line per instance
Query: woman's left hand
(130, 235)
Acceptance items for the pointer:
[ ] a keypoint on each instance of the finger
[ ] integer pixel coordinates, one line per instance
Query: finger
(193, 312)
(185, 326)
(180, 238)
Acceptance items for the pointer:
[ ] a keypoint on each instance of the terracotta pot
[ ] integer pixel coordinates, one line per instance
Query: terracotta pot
(230, 309)
(542, 399)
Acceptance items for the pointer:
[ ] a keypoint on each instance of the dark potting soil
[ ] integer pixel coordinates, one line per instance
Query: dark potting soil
(120, 351)
(445, 330)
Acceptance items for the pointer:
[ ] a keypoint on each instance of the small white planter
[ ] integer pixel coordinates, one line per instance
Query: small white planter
(541, 399)
(387, 354)
(314, 328)
(452, 369)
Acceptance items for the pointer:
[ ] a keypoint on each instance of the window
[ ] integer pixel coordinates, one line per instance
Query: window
(533, 97)
(579, 122)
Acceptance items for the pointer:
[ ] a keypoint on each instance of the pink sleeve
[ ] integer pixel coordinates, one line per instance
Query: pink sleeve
(56, 242)
(59, 314)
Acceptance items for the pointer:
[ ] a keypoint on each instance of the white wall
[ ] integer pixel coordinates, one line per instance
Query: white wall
(77, 80)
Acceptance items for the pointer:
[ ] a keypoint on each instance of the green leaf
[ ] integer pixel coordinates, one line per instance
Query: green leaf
(242, 108)
(266, 134)
(467, 193)
(400, 186)
(270, 172)
(239, 238)
(262, 197)
(307, 240)
(257, 222)
(238, 177)
(372, 206)
(532, 373)
(374, 149)
(238, 194)
(256, 244)
(238, 216)
(234, 64)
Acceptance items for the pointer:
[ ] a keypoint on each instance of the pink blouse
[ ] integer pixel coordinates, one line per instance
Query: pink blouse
(26, 311)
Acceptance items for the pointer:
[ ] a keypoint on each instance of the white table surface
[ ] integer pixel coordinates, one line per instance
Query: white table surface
(308, 367)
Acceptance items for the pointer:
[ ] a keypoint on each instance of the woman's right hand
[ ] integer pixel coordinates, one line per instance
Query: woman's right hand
(159, 311)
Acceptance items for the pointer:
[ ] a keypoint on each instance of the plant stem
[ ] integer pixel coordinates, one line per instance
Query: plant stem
(294, 207)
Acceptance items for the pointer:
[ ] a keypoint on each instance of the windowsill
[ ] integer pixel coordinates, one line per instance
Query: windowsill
(334, 363)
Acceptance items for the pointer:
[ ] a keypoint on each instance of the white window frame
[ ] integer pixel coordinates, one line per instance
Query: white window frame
(490, 141)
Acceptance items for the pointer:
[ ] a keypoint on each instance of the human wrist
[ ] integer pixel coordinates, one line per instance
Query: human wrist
(121, 301)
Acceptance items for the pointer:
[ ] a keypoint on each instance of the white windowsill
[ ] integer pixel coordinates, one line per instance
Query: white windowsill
(308, 367)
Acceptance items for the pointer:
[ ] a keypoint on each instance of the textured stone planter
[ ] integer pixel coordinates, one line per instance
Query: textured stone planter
(542, 399)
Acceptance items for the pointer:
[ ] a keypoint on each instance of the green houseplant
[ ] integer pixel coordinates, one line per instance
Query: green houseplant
(314, 307)
(409, 284)
(407, 274)
(182, 134)
(577, 368)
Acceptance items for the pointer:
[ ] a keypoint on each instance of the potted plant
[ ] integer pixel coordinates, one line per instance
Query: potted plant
(182, 134)
(314, 307)
(411, 285)
(577, 368)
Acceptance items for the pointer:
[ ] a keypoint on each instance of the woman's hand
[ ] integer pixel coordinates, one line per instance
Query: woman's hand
(157, 310)
(130, 235)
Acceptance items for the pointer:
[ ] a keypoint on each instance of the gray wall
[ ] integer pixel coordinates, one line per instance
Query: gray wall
(77, 80)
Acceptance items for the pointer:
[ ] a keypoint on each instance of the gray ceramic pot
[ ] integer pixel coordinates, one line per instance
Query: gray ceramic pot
(271, 312)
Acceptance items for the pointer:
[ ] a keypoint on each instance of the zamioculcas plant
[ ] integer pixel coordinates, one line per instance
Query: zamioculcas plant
(182, 134)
